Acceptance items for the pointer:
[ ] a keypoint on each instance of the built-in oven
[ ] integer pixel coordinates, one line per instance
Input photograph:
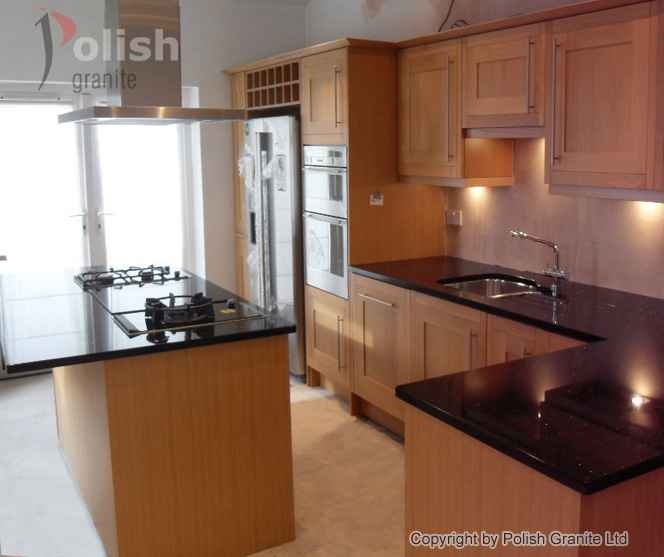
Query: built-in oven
(325, 185)
(325, 180)
(326, 253)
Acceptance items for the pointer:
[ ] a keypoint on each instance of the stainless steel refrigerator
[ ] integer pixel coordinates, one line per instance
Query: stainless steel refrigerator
(270, 167)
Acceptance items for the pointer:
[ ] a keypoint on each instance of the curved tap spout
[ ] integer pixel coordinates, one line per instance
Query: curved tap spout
(555, 272)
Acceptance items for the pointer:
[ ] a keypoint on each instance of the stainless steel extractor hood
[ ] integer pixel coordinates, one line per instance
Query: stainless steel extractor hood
(153, 95)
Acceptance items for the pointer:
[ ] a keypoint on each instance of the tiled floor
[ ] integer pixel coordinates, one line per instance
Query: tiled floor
(301, 393)
(41, 513)
(352, 469)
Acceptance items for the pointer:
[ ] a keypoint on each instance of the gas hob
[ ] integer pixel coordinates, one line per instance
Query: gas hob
(155, 300)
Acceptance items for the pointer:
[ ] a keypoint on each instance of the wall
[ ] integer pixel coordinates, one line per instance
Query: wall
(21, 43)
(216, 34)
(219, 34)
(617, 244)
(394, 20)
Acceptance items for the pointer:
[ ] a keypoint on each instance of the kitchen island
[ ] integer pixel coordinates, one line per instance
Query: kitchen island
(179, 444)
(570, 441)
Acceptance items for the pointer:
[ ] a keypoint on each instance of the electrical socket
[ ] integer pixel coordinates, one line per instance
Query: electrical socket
(454, 217)
(376, 199)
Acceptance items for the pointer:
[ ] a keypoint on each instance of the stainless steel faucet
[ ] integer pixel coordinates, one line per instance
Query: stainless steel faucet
(555, 272)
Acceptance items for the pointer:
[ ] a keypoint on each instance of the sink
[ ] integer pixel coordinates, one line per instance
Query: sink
(495, 286)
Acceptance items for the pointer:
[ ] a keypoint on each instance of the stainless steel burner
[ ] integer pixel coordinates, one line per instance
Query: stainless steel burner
(137, 276)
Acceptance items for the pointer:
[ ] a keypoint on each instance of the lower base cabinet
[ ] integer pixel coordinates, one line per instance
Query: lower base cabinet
(508, 341)
(446, 337)
(380, 339)
(327, 323)
(387, 336)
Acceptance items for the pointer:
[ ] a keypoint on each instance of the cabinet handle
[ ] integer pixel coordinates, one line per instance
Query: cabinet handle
(337, 120)
(531, 81)
(554, 99)
(450, 136)
(473, 337)
(527, 353)
(340, 335)
(376, 301)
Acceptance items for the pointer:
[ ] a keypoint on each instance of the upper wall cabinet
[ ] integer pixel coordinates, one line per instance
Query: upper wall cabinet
(430, 129)
(324, 98)
(432, 147)
(603, 125)
(504, 78)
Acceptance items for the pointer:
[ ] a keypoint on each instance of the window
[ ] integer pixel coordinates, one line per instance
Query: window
(141, 178)
(73, 196)
(40, 189)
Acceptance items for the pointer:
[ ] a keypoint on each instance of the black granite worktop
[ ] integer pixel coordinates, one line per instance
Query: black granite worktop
(47, 321)
(589, 417)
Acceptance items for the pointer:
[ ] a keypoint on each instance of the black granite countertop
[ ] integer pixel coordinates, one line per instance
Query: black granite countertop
(589, 417)
(47, 321)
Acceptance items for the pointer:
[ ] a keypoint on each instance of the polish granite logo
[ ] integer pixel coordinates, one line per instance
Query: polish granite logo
(114, 45)
(68, 29)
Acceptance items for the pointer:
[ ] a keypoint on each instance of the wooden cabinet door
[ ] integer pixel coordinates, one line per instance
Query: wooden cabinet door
(599, 134)
(325, 98)
(504, 78)
(446, 337)
(508, 341)
(380, 342)
(550, 342)
(429, 111)
(327, 322)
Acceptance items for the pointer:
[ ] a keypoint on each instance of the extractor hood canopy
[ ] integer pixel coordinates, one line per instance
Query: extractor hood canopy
(154, 95)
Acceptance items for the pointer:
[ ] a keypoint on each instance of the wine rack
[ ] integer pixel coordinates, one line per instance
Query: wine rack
(274, 86)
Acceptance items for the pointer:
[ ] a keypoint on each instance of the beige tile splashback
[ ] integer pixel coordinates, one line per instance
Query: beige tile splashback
(616, 244)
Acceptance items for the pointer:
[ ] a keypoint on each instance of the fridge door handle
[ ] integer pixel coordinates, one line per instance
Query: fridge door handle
(252, 228)
(322, 218)
(325, 170)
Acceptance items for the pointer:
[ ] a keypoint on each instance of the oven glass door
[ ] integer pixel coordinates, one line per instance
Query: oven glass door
(326, 253)
(326, 191)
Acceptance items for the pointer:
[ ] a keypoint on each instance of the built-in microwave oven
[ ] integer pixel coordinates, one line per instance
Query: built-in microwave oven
(325, 180)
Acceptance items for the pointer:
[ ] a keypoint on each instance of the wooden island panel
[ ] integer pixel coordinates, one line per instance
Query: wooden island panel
(200, 448)
(80, 394)
(457, 483)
